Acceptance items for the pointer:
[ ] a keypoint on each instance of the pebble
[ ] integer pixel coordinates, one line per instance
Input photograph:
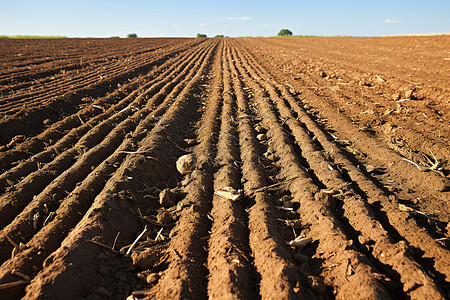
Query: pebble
(408, 94)
(153, 278)
(186, 163)
(300, 258)
(261, 137)
(395, 96)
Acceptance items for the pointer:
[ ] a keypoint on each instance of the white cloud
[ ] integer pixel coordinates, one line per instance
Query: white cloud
(263, 25)
(390, 21)
(237, 19)
(203, 24)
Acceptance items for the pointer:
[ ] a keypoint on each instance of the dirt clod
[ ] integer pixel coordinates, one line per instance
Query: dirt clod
(144, 260)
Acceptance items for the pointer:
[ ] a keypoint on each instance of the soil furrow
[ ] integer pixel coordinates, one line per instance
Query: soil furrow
(310, 170)
(316, 210)
(115, 201)
(65, 103)
(54, 132)
(279, 279)
(27, 188)
(229, 256)
(186, 267)
(403, 173)
(88, 74)
(400, 220)
(359, 215)
(72, 209)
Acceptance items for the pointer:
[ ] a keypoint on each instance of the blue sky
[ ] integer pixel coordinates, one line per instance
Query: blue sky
(102, 18)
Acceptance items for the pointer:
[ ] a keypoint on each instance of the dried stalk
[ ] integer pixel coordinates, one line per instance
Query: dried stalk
(137, 239)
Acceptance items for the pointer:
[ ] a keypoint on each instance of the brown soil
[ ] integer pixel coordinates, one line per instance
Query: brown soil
(340, 141)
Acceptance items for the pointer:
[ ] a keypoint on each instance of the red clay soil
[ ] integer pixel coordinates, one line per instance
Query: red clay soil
(319, 168)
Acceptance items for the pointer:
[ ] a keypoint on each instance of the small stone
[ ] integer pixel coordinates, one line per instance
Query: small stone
(300, 258)
(408, 94)
(47, 122)
(317, 284)
(145, 259)
(395, 96)
(186, 163)
(167, 198)
(370, 168)
(261, 137)
(152, 278)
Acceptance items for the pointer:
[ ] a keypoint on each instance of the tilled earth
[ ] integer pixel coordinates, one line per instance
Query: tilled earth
(225, 168)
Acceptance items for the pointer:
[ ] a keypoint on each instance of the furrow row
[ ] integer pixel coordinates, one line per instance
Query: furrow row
(72, 207)
(356, 211)
(398, 223)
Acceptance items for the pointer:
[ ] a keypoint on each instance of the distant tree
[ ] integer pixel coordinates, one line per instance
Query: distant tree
(220, 35)
(132, 35)
(201, 35)
(285, 32)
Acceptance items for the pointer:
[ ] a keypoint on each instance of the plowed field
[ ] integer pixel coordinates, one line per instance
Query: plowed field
(314, 168)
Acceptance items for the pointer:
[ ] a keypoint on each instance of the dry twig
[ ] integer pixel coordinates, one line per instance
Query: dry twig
(8, 285)
(102, 245)
(115, 241)
(410, 161)
(137, 239)
(265, 188)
